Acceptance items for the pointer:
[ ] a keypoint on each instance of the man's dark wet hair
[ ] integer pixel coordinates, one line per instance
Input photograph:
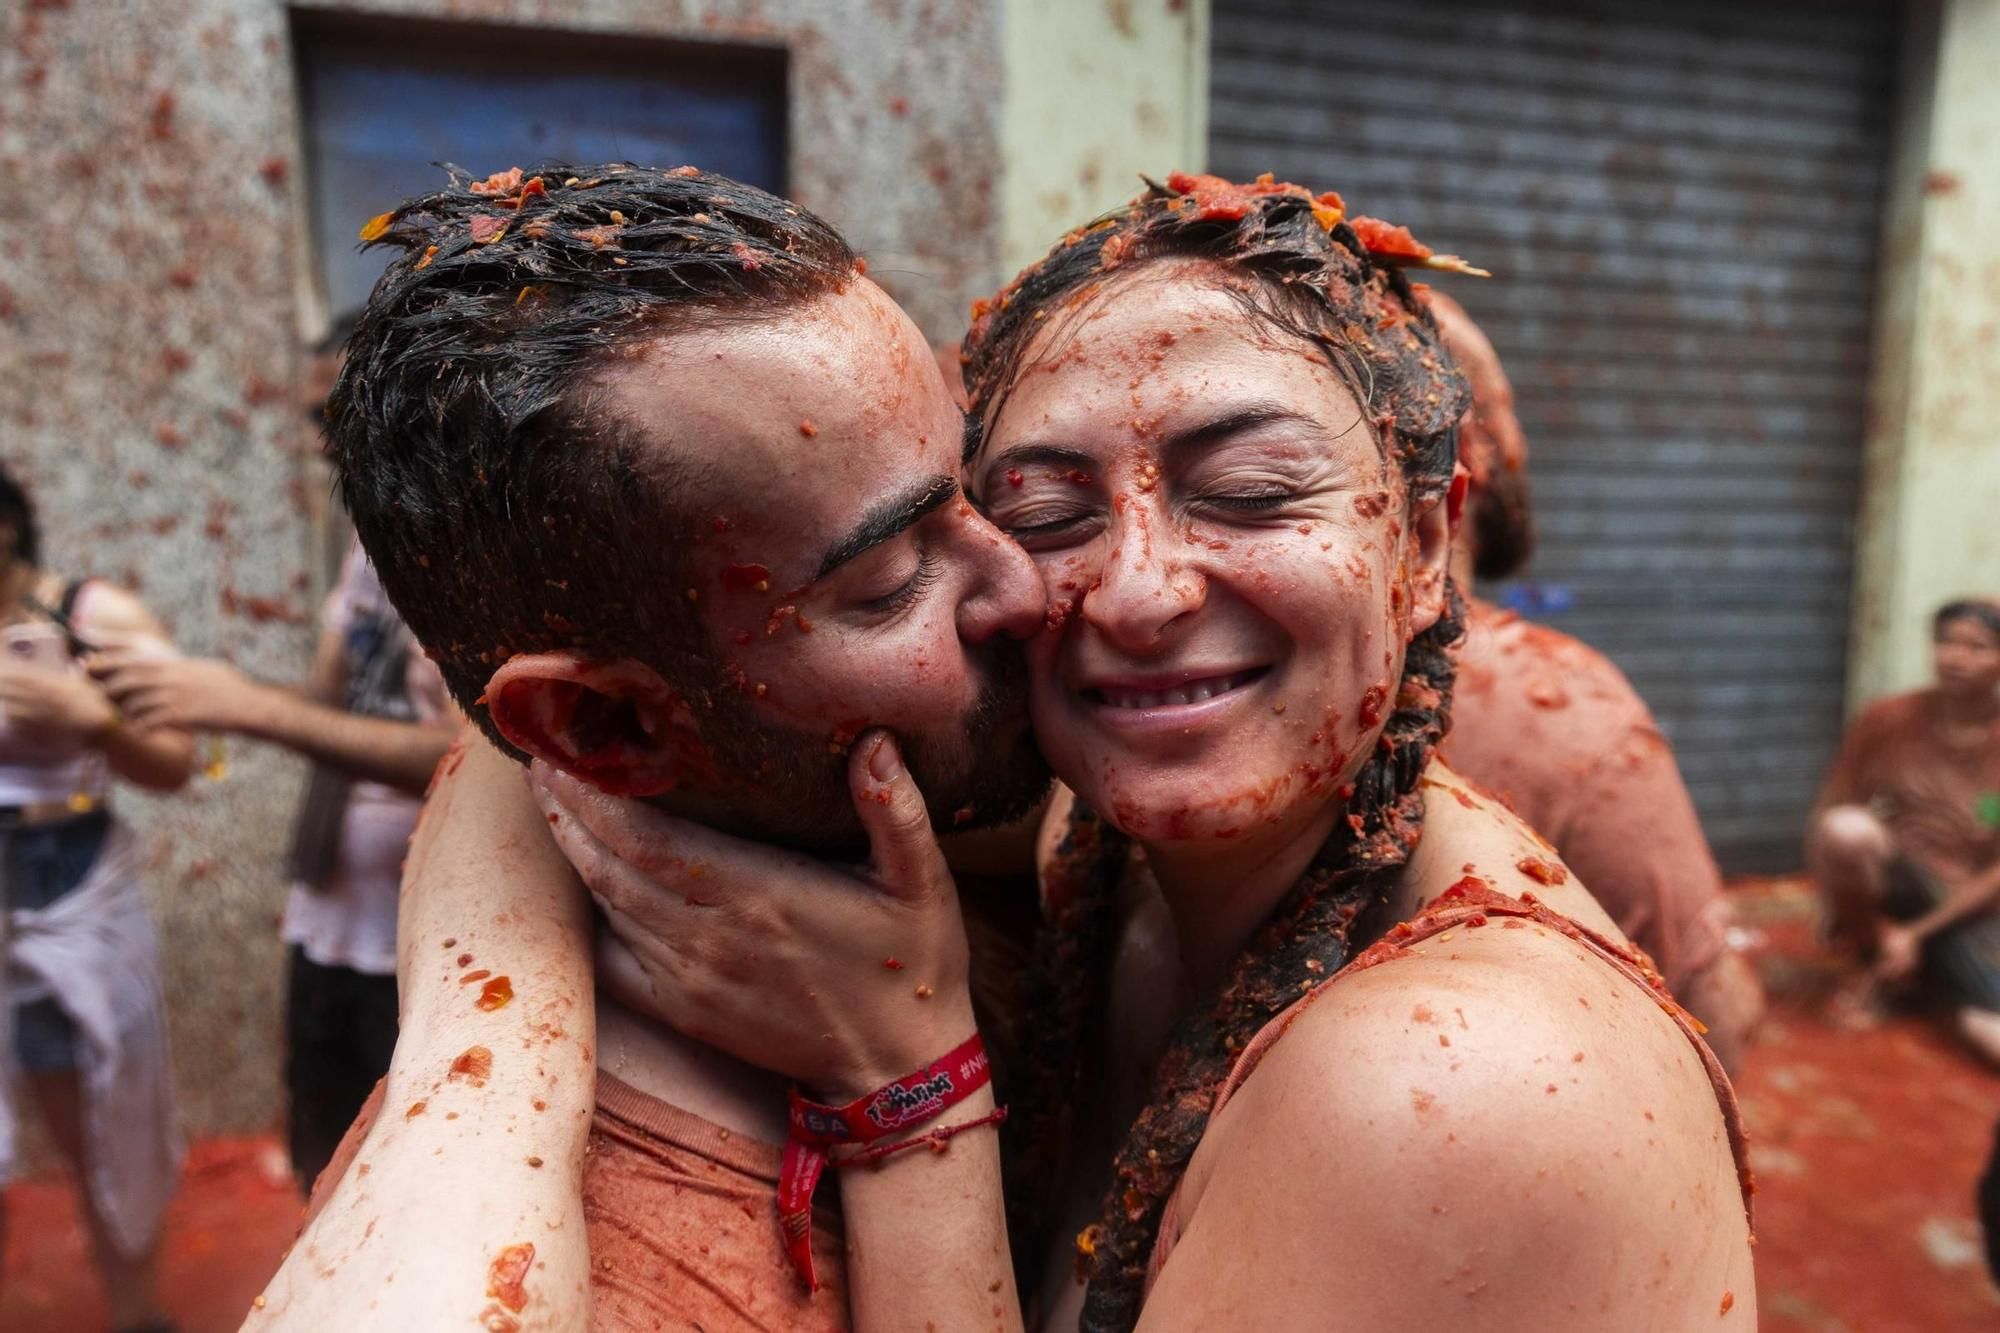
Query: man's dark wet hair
(506, 507)
(18, 511)
(1982, 613)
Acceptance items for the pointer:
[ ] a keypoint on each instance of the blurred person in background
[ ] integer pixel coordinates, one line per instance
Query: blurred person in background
(374, 718)
(1904, 844)
(87, 1033)
(1551, 726)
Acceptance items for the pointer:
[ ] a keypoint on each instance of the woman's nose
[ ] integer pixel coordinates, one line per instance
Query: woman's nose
(1145, 584)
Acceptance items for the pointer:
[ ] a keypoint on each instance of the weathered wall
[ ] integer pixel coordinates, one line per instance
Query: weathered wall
(151, 320)
(1097, 91)
(1928, 529)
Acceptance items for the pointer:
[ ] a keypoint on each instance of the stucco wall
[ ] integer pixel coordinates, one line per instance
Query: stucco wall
(1097, 91)
(152, 311)
(1929, 531)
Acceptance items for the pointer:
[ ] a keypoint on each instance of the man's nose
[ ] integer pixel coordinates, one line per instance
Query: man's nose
(1005, 595)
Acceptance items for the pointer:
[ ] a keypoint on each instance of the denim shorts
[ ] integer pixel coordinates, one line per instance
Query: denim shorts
(44, 862)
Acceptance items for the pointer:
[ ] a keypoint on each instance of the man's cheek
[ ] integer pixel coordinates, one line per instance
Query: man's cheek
(843, 685)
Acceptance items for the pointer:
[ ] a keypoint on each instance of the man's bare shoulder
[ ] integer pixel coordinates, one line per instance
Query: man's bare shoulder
(1499, 1099)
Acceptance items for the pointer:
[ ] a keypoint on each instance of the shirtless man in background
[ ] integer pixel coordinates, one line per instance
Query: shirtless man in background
(1549, 724)
(1904, 844)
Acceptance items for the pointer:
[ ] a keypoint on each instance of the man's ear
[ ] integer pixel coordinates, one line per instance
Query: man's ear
(1433, 520)
(615, 725)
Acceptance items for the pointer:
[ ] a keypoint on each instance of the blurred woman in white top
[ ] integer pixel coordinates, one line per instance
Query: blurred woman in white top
(82, 1026)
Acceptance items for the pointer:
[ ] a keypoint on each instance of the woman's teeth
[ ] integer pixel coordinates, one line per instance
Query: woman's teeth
(1192, 692)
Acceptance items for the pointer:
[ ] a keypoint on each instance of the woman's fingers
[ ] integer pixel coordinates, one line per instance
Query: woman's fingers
(904, 850)
(634, 897)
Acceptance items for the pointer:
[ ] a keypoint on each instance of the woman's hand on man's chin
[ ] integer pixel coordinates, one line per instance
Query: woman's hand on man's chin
(842, 978)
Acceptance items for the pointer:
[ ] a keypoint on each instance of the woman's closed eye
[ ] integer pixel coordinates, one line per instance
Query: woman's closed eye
(1255, 501)
(1048, 523)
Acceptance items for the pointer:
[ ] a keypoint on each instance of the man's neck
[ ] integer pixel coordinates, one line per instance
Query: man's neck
(688, 1075)
(1972, 709)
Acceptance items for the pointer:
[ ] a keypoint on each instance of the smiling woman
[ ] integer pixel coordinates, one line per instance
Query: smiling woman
(1239, 487)
(1221, 423)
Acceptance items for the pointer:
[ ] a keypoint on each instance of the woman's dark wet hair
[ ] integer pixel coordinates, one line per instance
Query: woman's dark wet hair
(505, 508)
(1296, 262)
(1982, 613)
(18, 512)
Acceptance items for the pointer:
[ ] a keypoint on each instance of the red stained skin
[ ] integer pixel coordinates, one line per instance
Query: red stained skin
(482, 973)
(495, 994)
(1371, 705)
(746, 578)
(474, 1065)
(1542, 872)
(506, 1280)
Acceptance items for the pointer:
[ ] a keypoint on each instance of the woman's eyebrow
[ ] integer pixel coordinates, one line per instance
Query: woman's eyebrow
(1238, 421)
(1215, 430)
(1061, 455)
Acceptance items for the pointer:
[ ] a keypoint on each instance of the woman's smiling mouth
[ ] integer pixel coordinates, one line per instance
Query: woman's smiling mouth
(1171, 693)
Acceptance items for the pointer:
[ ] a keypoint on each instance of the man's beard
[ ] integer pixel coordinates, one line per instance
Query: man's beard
(788, 786)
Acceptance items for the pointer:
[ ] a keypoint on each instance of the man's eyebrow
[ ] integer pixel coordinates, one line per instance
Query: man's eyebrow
(887, 518)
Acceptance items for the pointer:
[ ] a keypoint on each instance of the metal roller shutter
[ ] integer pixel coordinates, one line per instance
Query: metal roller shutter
(1682, 204)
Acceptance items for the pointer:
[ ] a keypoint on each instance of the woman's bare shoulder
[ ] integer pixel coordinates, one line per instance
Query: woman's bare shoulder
(1470, 833)
(1505, 1100)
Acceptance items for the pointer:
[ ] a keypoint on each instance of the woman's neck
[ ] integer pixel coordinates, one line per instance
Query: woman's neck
(1221, 890)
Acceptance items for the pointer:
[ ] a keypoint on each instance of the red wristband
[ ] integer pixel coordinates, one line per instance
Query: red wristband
(815, 1127)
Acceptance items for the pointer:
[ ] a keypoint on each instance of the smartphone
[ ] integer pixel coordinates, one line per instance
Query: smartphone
(38, 646)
